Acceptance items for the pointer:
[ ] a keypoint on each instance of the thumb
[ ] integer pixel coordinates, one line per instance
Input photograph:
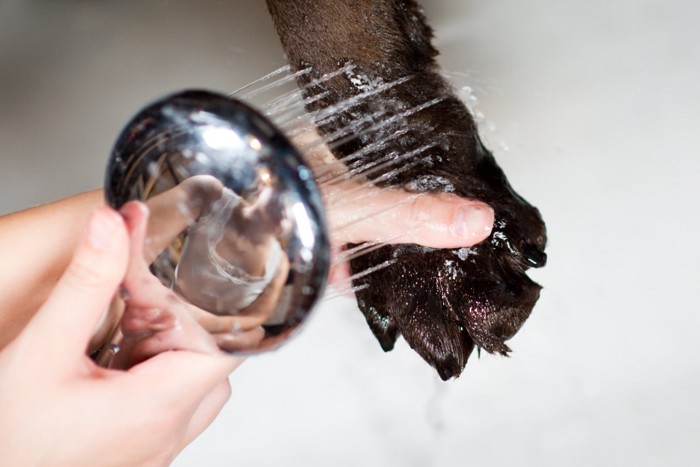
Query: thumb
(65, 322)
(390, 215)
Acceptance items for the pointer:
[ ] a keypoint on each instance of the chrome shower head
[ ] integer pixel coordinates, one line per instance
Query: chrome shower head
(233, 208)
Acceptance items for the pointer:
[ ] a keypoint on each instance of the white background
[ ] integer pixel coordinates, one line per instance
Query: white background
(595, 109)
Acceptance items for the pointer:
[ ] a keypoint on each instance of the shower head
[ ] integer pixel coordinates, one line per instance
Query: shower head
(235, 213)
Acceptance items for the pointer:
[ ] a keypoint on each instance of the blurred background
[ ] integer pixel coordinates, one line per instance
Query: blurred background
(592, 110)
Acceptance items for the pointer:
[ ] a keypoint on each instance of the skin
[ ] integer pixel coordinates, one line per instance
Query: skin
(157, 399)
(156, 408)
(427, 219)
(38, 259)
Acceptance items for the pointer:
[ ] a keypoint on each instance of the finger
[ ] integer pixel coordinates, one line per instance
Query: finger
(182, 378)
(82, 295)
(437, 220)
(148, 332)
(208, 411)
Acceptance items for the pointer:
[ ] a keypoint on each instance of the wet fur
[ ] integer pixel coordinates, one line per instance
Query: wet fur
(444, 302)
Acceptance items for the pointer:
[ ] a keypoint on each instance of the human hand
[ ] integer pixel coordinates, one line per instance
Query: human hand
(59, 408)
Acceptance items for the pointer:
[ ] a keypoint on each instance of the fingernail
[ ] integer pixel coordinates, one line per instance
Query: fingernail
(101, 228)
(473, 220)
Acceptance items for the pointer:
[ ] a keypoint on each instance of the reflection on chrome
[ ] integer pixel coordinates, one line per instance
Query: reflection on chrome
(236, 227)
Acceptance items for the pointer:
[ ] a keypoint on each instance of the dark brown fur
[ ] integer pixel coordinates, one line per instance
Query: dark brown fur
(444, 302)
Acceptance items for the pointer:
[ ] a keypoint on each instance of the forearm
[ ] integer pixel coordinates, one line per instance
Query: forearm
(36, 245)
